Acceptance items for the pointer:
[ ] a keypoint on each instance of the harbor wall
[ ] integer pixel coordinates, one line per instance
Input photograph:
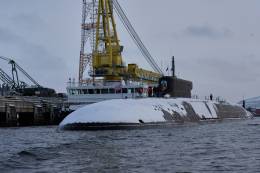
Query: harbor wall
(29, 111)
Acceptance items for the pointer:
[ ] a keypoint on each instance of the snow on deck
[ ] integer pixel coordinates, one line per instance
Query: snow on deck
(133, 110)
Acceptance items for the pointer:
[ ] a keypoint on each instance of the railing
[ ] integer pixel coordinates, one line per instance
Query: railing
(89, 82)
(217, 99)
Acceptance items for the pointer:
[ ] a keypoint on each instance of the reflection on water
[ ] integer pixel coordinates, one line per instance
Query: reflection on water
(228, 146)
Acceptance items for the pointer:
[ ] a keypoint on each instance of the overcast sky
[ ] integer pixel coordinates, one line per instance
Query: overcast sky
(216, 42)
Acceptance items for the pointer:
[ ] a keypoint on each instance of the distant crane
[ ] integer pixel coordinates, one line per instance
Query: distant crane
(15, 86)
(14, 81)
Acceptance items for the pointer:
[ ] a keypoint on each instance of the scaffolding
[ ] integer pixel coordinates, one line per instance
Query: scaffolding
(88, 31)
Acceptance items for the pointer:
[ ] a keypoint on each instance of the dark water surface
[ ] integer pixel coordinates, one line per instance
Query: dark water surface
(230, 146)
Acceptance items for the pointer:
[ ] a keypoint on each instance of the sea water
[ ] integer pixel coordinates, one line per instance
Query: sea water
(229, 146)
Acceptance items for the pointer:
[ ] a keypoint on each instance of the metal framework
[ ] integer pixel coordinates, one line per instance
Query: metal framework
(107, 59)
(14, 81)
(100, 53)
(88, 30)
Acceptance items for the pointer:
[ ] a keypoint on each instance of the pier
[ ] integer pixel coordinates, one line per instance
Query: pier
(29, 111)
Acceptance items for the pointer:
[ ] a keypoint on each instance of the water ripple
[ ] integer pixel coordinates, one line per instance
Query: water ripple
(231, 146)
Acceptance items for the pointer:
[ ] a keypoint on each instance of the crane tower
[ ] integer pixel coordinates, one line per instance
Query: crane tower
(101, 52)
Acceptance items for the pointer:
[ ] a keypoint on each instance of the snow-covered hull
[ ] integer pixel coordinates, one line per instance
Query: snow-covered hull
(149, 112)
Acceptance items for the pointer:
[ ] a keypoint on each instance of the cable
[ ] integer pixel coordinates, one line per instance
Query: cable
(135, 37)
(27, 75)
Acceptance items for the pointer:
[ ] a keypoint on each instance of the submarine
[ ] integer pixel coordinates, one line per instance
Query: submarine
(171, 105)
(120, 96)
(149, 112)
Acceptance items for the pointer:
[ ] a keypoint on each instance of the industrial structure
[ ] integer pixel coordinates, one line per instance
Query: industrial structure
(14, 82)
(103, 74)
(13, 85)
(23, 103)
(101, 52)
(111, 82)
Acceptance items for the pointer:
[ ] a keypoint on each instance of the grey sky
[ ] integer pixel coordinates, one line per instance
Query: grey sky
(215, 42)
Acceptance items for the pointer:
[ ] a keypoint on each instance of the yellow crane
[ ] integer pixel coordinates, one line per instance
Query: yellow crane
(107, 58)
(106, 55)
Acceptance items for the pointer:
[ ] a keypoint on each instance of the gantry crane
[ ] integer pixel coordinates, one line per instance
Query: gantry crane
(104, 58)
